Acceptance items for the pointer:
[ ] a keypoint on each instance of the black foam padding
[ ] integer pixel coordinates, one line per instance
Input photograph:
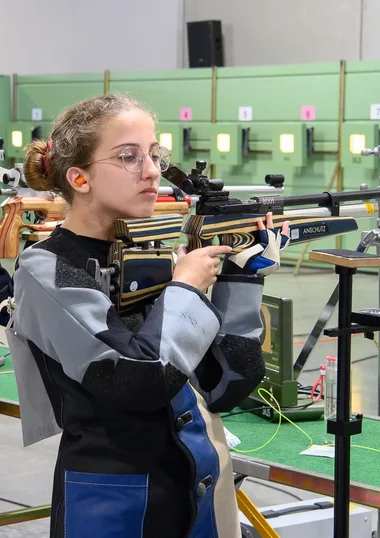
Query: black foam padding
(68, 276)
(133, 385)
(244, 357)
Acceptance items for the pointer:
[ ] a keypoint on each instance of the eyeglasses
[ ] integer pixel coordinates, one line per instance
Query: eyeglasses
(133, 158)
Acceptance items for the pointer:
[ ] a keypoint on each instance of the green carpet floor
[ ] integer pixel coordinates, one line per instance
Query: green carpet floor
(286, 446)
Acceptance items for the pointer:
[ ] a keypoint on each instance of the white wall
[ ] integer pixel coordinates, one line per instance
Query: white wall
(264, 32)
(78, 36)
(71, 36)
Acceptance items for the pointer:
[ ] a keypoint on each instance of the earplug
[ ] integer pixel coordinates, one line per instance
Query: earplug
(80, 181)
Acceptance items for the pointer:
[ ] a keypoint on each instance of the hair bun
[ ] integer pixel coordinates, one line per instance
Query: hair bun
(36, 166)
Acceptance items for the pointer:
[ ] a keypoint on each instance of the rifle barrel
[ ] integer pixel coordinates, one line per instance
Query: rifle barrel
(254, 189)
(325, 198)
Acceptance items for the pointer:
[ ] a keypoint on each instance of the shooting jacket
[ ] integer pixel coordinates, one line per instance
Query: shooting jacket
(143, 451)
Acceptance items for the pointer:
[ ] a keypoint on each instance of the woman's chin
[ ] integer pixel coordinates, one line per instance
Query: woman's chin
(143, 212)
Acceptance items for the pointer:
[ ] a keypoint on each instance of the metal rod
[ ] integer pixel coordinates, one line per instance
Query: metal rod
(213, 111)
(107, 74)
(342, 89)
(213, 95)
(27, 514)
(267, 151)
(10, 408)
(235, 188)
(343, 408)
(307, 245)
(325, 152)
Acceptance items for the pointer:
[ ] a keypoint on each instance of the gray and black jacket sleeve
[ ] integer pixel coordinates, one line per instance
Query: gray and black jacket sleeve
(59, 310)
(233, 365)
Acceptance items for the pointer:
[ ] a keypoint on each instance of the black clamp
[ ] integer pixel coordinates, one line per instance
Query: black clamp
(332, 204)
(345, 429)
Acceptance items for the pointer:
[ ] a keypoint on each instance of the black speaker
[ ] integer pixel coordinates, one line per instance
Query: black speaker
(205, 44)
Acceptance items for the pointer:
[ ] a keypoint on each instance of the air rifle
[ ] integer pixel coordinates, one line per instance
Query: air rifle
(234, 222)
(140, 265)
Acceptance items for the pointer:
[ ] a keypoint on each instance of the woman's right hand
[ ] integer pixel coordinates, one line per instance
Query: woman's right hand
(199, 268)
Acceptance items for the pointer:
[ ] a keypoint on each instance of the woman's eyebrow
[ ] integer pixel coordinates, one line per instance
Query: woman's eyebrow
(133, 144)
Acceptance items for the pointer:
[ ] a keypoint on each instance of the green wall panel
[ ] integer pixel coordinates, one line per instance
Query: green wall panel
(278, 94)
(167, 92)
(53, 93)
(361, 89)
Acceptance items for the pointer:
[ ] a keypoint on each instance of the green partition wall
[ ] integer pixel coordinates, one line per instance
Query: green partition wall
(50, 94)
(266, 100)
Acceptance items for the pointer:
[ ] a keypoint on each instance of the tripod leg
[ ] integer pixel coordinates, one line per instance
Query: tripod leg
(301, 257)
(254, 516)
(325, 315)
(316, 332)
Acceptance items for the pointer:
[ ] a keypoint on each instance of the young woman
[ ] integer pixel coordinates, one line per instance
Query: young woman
(143, 452)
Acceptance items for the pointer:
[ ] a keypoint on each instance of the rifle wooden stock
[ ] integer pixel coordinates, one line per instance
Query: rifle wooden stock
(171, 208)
(54, 210)
(241, 231)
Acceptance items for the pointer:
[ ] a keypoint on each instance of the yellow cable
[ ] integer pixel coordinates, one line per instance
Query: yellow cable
(281, 416)
(365, 448)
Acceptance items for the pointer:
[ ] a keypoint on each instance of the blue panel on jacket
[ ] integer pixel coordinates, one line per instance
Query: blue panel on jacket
(101, 506)
(194, 436)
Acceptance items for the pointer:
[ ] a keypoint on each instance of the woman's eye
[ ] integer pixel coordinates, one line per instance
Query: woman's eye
(129, 158)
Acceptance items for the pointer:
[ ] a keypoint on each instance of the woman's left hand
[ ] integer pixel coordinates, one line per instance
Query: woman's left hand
(263, 258)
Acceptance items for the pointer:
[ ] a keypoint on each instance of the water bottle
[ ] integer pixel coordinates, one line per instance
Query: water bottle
(330, 394)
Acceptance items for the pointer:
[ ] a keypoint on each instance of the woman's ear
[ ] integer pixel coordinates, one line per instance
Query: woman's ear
(77, 179)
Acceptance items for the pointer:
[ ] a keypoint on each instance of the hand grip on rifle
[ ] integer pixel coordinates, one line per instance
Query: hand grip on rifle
(199, 268)
(263, 258)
